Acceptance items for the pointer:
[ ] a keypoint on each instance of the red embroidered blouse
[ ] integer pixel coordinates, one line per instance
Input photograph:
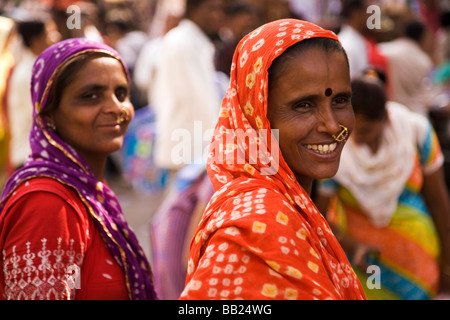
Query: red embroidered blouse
(51, 248)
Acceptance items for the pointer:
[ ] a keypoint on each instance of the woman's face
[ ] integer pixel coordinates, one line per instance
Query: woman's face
(368, 132)
(87, 117)
(307, 103)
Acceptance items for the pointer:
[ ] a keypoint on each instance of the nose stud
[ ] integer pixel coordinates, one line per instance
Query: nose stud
(342, 135)
(124, 115)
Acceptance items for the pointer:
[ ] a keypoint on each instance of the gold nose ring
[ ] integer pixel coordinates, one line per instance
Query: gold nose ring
(342, 135)
(124, 116)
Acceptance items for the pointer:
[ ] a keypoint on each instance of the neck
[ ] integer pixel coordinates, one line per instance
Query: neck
(306, 184)
(97, 166)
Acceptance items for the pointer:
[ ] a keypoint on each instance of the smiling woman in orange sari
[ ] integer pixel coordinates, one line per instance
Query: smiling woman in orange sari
(283, 123)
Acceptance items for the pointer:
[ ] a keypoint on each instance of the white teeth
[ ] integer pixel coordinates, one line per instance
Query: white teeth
(322, 148)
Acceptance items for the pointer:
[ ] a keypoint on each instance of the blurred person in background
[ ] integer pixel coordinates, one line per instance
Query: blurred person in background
(122, 33)
(241, 18)
(410, 68)
(7, 32)
(358, 40)
(185, 85)
(351, 34)
(36, 37)
(388, 203)
(186, 93)
(148, 59)
(89, 21)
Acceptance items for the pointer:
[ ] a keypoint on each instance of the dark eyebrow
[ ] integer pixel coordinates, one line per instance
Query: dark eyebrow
(344, 93)
(300, 99)
(99, 87)
(92, 87)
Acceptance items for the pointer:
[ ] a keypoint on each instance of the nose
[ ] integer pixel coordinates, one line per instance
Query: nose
(327, 121)
(113, 104)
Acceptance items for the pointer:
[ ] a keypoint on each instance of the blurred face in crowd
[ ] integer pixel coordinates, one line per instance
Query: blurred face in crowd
(88, 116)
(369, 105)
(309, 98)
(368, 132)
(49, 36)
(209, 15)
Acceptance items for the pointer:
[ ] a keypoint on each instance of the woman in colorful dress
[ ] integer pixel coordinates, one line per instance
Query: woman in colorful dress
(62, 231)
(388, 201)
(261, 236)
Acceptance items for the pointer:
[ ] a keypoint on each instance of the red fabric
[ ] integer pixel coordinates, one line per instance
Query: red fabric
(376, 58)
(47, 236)
(261, 237)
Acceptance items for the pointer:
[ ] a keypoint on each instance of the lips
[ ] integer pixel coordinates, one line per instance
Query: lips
(322, 148)
(113, 124)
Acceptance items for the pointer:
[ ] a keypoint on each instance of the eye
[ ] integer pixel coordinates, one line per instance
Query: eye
(121, 93)
(341, 101)
(304, 105)
(91, 95)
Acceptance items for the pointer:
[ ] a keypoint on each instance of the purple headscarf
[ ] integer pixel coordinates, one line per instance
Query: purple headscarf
(52, 157)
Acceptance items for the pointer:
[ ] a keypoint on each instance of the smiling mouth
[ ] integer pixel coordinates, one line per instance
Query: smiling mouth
(111, 124)
(322, 148)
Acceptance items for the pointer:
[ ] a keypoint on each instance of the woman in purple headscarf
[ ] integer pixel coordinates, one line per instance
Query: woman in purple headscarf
(62, 232)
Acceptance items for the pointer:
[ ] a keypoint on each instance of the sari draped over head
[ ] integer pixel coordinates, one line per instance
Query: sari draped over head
(52, 157)
(261, 236)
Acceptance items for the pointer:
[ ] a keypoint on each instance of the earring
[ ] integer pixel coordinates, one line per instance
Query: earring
(342, 135)
(51, 126)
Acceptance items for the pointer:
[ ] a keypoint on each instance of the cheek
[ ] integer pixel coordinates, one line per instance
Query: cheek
(75, 125)
(290, 136)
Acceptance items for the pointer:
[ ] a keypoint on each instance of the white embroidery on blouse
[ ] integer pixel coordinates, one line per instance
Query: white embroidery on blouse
(41, 275)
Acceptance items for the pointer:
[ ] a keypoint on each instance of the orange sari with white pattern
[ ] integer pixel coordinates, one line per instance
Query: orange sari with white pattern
(261, 236)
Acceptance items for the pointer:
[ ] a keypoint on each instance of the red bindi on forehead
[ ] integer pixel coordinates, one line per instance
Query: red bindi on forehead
(328, 92)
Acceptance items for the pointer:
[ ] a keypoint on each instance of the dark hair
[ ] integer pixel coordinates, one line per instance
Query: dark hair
(328, 45)
(445, 19)
(414, 30)
(64, 77)
(350, 6)
(192, 5)
(369, 98)
(122, 19)
(29, 30)
(239, 8)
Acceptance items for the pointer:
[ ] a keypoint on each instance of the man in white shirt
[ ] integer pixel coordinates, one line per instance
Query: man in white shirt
(186, 99)
(351, 35)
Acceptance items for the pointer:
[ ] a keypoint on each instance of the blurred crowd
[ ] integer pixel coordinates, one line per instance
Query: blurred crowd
(406, 41)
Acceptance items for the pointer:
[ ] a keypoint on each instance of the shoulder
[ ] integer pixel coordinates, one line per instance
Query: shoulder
(43, 201)
(178, 35)
(187, 35)
(46, 189)
(399, 113)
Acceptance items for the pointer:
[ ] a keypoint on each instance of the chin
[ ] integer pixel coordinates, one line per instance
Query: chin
(112, 148)
(325, 174)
